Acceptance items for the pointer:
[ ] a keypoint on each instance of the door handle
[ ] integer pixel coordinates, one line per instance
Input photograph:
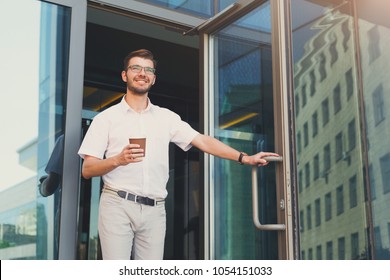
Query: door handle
(255, 201)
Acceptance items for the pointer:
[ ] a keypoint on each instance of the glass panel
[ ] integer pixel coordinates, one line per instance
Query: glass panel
(325, 67)
(374, 33)
(28, 220)
(243, 104)
(205, 9)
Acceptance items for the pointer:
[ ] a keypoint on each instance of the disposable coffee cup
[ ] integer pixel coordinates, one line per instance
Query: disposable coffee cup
(140, 141)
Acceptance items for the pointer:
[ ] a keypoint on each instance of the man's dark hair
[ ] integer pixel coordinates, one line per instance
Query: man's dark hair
(146, 54)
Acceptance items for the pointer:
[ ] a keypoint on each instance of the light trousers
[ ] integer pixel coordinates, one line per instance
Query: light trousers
(129, 229)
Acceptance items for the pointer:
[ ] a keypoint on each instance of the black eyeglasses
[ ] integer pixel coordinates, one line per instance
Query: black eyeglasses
(138, 68)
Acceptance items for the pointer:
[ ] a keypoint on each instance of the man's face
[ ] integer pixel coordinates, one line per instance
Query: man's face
(139, 76)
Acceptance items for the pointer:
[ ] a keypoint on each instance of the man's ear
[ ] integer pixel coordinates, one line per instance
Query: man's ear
(124, 77)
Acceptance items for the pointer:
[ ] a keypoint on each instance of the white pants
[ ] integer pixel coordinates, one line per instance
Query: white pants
(126, 228)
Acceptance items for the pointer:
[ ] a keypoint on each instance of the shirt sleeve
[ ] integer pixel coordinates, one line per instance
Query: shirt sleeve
(182, 133)
(96, 139)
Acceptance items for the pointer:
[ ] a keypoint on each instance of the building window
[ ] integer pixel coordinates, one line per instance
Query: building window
(329, 250)
(303, 255)
(310, 254)
(379, 104)
(328, 206)
(312, 76)
(308, 216)
(351, 135)
(316, 167)
(339, 146)
(374, 50)
(300, 180)
(307, 175)
(355, 246)
(322, 67)
(314, 120)
(340, 200)
(349, 83)
(378, 240)
(319, 252)
(299, 143)
(341, 248)
(327, 158)
(347, 34)
(372, 183)
(305, 134)
(317, 205)
(337, 99)
(385, 169)
(303, 96)
(301, 221)
(325, 112)
(296, 105)
(353, 192)
(333, 52)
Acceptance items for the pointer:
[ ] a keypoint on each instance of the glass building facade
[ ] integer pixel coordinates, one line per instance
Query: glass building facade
(304, 78)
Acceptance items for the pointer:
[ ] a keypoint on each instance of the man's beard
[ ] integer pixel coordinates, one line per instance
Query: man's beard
(138, 91)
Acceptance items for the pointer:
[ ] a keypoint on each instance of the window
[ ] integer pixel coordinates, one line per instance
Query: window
(372, 182)
(317, 205)
(314, 120)
(328, 206)
(299, 143)
(308, 216)
(337, 99)
(347, 34)
(300, 180)
(297, 105)
(312, 83)
(349, 83)
(301, 221)
(379, 104)
(327, 158)
(340, 200)
(351, 135)
(353, 192)
(325, 112)
(310, 254)
(339, 146)
(333, 52)
(322, 67)
(307, 175)
(355, 246)
(374, 50)
(305, 134)
(303, 95)
(341, 248)
(316, 167)
(385, 169)
(329, 250)
(319, 252)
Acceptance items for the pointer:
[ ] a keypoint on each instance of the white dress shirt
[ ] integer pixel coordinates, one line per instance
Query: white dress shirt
(110, 131)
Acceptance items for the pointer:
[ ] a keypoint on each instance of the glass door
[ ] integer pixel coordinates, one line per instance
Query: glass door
(245, 111)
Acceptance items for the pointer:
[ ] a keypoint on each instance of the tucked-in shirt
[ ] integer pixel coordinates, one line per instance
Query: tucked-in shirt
(110, 131)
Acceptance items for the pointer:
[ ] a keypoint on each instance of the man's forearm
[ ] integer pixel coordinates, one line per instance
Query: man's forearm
(93, 167)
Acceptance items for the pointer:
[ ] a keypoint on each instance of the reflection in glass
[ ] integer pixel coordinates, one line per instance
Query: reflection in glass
(29, 215)
(243, 104)
(324, 49)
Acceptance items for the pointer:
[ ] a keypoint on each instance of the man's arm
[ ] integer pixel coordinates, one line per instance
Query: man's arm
(217, 148)
(93, 166)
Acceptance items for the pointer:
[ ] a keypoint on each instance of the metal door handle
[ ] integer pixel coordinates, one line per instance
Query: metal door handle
(255, 202)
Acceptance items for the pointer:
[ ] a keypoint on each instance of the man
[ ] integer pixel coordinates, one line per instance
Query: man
(132, 212)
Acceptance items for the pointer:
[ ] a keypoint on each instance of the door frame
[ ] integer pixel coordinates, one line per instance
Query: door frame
(74, 97)
(288, 239)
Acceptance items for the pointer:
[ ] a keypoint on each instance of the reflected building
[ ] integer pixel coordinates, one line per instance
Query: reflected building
(340, 129)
